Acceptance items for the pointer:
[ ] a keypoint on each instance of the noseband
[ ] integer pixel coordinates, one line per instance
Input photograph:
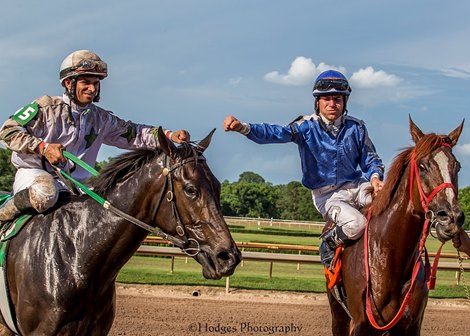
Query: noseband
(188, 245)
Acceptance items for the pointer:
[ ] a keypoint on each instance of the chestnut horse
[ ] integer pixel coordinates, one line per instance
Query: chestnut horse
(62, 266)
(384, 278)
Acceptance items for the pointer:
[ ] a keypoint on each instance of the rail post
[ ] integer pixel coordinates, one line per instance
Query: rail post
(227, 285)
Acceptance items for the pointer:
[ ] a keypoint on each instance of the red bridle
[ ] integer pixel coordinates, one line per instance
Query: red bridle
(425, 200)
(414, 172)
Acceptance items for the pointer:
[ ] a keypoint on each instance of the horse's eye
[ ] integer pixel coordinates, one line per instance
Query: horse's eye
(459, 166)
(423, 167)
(190, 191)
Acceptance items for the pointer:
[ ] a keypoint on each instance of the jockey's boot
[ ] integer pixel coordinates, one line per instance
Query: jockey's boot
(330, 241)
(15, 206)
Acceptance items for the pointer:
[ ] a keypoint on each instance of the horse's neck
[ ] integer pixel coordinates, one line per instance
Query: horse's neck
(126, 236)
(125, 194)
(397, 229)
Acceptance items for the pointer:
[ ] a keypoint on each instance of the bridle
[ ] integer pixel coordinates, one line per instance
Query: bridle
(429, 218)
(184, 242)
(425, 199)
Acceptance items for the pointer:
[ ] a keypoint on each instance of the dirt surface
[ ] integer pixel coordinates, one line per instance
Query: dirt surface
(182, 310)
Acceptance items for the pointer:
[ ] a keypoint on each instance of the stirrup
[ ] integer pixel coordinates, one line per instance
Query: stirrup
(326, 254)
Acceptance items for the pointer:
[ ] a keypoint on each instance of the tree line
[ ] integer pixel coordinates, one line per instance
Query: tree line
(250, 196)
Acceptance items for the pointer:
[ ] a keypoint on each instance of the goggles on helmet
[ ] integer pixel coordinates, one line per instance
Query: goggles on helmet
(86, 65)
(332, 84)
(89, 64)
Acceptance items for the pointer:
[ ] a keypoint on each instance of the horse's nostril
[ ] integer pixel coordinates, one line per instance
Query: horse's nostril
(443, 216)
(223, 256)
(230, 259)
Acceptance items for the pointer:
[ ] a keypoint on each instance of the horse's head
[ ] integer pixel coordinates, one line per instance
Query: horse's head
(191, 209)
(433, 180)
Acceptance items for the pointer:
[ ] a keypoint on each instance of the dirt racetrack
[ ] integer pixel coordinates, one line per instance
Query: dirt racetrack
(182, 310)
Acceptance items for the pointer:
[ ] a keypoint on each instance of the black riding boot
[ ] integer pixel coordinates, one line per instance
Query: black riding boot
(330, 241)
(15, 206)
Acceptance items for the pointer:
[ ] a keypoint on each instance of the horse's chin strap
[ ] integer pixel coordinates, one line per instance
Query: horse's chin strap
(429, 217)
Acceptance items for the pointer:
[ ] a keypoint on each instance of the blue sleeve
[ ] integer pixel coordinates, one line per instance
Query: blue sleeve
(370, 161)
(268, 133)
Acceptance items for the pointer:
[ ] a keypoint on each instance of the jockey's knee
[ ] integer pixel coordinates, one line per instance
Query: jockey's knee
(43, 193)
(355, 227)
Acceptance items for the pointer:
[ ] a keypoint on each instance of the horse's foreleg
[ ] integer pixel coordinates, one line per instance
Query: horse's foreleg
(339, 318)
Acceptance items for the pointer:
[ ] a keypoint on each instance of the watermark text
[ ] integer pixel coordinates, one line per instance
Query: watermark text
(245, 328)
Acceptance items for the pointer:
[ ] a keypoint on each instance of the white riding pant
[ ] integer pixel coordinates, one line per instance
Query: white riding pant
(43, 188)
(342, 205)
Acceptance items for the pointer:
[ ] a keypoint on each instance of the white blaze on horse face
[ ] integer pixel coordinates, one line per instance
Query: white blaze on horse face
(443, 163)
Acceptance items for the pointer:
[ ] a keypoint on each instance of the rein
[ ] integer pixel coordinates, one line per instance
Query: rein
(184, 244)
(429, 217)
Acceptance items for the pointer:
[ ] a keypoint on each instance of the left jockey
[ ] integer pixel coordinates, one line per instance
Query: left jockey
(39, 132)
(339, 161)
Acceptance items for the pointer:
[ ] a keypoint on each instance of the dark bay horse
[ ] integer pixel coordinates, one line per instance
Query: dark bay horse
(420, 190)
(62, 266)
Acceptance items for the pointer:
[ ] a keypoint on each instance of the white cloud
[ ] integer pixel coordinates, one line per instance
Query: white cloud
(302, 71)
(235, 81)
(369, 78)
(463, 150)
(456, 73)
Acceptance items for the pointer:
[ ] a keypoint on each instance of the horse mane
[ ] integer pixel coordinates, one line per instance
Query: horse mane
(121, 167)
(126, 164)
(398, 167)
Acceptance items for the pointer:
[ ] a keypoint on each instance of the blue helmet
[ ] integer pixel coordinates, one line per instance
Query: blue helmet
(331, 82)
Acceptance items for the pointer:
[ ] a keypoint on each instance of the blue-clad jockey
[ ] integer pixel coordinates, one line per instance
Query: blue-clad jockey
(339, 161)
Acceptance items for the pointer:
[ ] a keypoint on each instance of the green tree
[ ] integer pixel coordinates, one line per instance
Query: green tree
(7, 170)
(295, 202)
(101, 164)
(251, 196)
(251, 177)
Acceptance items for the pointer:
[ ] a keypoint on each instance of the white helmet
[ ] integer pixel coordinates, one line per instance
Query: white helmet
(82, 62)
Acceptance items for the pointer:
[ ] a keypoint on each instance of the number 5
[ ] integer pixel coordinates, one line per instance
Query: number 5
(26, 113)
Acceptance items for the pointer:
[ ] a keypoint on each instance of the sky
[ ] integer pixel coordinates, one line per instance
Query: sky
(188, 64)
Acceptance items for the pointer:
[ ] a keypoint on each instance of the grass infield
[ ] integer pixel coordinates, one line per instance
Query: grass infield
(255, 275)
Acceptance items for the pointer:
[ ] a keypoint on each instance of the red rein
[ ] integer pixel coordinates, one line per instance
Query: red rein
(425, 200)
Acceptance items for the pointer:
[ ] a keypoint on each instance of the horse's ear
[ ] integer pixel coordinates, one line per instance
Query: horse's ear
(166, 145)
(416, 133)
(204, 143)
(455, 134)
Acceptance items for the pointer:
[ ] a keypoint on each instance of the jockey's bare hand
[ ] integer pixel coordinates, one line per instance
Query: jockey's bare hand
(376, 184)
(180, 136)
(53, 153)
(232, 124)
(461, 242)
